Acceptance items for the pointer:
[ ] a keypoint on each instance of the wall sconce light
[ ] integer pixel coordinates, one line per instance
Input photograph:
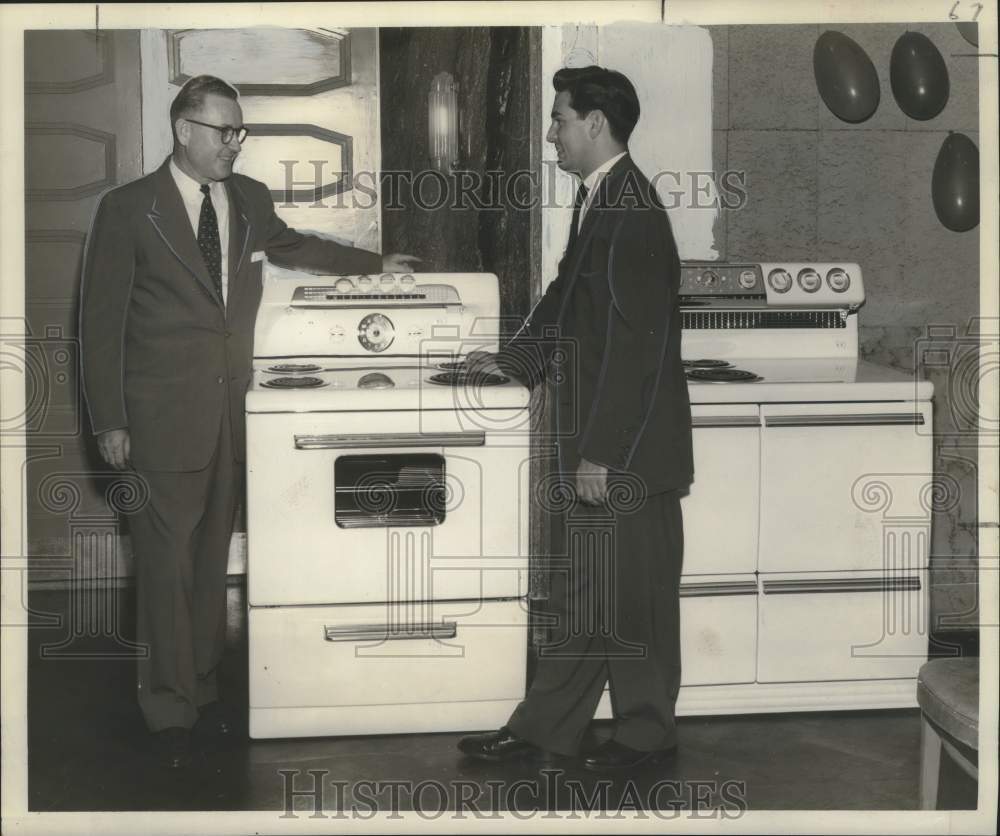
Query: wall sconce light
(442, 122)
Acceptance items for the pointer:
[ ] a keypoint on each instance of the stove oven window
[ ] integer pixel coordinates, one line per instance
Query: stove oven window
(380, 490)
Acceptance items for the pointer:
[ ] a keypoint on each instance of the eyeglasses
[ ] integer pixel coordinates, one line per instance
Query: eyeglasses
(226, 132)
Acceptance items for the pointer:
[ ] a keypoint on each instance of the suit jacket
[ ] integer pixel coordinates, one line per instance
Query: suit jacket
(622, 400)
(162, 356)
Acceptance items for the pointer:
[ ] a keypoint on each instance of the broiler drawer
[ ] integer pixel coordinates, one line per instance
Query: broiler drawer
(408, 653)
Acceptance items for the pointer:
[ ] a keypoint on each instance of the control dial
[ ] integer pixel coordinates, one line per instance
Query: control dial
(747, 279)
(343, 286)
(376, 332)
(838, 280)
(809, 280)
(780, 280)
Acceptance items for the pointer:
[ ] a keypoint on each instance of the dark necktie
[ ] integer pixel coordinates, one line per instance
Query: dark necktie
(208, 240)
(581, 196)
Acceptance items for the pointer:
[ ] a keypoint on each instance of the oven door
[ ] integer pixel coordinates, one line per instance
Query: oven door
(371, 507)
(845, 487)
(721, 510)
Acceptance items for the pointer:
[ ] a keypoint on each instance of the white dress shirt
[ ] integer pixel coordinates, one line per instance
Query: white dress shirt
(190, 190)
(592, 181)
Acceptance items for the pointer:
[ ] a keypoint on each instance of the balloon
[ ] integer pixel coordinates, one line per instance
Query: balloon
(918, 76)
(955, 183)
(845, 77)
(969, 31)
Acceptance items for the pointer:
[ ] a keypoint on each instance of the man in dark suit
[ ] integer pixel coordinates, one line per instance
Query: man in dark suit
(624, 443)
(171, 285)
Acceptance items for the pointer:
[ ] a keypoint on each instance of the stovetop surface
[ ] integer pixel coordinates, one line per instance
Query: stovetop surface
(396, 383)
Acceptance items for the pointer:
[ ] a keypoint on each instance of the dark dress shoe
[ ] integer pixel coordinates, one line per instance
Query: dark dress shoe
(502, 745)
(215, 721)
(614, 755)
(172, 747)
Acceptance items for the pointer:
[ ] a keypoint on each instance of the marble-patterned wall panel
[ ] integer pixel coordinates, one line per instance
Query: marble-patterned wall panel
(778, 219)
(720, 75)
(720, 163)
(955, 606)
(961, 113)
(954, 367)
(877, 40)
(889, 345)
(771, 82)
(861, 211)
(941, 266)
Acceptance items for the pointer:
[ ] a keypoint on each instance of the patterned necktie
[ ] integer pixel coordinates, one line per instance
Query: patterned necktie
(581, 196)
(208, 240)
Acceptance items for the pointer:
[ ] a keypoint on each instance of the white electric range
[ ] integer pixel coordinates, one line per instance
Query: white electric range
(386, 585)
(807, 529)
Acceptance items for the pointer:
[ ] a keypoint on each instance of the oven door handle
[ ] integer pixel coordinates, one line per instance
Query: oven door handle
(858, 419)
(358, 441)
(377, 632)
(907, 583)
(701, 422)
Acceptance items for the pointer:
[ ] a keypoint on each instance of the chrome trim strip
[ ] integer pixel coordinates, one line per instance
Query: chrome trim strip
(701, 589)
(355, 441)
(799, 587)
(373, 632)
(876, 419)
(718, 421)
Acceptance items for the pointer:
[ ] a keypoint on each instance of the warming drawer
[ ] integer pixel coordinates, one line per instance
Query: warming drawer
(718, 629)
(837, 626)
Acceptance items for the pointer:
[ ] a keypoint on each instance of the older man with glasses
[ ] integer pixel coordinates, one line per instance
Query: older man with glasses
(171, 285)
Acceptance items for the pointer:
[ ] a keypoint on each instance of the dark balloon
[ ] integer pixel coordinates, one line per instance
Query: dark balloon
(918, 76)
(969, 31)
(955, 184)
(845, 77)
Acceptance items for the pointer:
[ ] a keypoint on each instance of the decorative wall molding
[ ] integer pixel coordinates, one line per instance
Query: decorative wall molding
(106, 75)
(178, 76)
(342, 141)
(106, 140)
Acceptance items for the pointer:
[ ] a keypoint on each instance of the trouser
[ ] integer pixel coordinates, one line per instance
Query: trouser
(615, 603)
(180, 539)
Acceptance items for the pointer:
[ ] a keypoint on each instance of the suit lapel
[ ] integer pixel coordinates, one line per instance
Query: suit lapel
(170, 220)
(590, 221)
(239, 237)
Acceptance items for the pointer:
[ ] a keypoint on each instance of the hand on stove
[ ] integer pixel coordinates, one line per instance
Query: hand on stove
(591, 482)
(481, 362)
(115, 447)
(399, 263)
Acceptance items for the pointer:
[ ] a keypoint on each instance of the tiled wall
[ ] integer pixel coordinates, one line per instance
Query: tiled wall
(825, 190)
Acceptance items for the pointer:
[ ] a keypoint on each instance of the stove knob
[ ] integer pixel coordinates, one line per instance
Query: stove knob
(748, 278)
(780, 280)
(407, 281)
(387, 282)
(838, 280)
(343, 286)
(809, 280)
(365, 282)
(709, 278)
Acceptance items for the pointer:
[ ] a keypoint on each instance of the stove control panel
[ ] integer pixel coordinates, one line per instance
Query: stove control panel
(710, 278)
(775, 284)
(816, 284)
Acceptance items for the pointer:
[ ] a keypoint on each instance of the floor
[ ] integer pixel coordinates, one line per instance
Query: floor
(87, 750)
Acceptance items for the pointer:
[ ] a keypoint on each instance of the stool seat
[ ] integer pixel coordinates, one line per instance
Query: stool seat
(948, 693)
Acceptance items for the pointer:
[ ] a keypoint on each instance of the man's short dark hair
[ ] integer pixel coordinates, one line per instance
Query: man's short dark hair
(595, 88)
(192, 96)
